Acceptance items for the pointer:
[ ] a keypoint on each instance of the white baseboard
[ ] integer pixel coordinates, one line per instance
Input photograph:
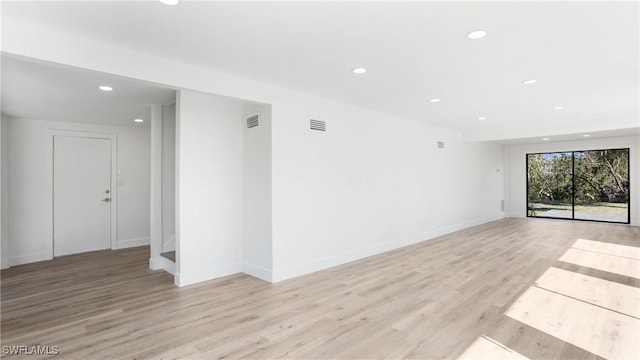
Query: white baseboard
(29, 258)
(168, 265)
(162, 263)
(4, 263)
(330, 261)
(155, 263)
(257, 271)
(188, 278)
(123, 244)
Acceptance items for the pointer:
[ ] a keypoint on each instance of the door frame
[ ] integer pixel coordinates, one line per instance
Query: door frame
(49, 168)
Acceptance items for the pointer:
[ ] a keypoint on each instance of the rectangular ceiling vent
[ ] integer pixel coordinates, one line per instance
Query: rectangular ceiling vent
(253, 121)
(440, 144)
(317, 125)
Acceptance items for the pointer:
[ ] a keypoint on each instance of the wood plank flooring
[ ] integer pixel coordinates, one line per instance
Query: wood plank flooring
(489, 349)
(171, 255)
(427, 301)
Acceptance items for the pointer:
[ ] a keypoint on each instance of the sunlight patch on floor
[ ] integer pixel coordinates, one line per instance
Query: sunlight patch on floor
(600, 331)
(631, 252)
(610, 263)
(608, 294)
(596, 315)
(485, 348)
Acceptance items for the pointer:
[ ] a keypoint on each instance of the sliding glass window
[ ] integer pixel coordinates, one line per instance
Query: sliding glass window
(581, 185)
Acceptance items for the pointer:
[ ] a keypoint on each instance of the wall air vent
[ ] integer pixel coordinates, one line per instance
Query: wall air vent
(317, 125)
(253, 121)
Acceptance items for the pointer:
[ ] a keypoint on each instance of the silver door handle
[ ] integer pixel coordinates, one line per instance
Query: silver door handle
(106, 199)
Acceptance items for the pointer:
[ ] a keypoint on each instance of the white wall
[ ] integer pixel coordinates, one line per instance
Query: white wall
(4, 196)
(517, 177)
(28, 239)
(168, 177)
(209, 187)
(372, 182)
(155, 188)
(257, 214)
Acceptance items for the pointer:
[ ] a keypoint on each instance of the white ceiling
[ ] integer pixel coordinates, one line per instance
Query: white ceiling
(585, 55)
(45, 91)
(575, 136)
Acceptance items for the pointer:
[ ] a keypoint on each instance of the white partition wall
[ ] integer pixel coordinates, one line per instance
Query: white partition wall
(155, 188)
(168, 178)
(257, 204)
(4, 214)
(281, 200)
(209, 187)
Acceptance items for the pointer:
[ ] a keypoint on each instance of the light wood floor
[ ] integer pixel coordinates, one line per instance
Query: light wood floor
(427, 301)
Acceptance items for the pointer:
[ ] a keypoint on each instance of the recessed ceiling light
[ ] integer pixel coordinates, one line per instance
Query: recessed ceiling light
(530, 81)
(434, 100)
(105, 88)
(586, 135)
(359, 70)
(170, 2)
(545, 139)
(477, 34)
(482, 118)
(559, 107)
(138, 120)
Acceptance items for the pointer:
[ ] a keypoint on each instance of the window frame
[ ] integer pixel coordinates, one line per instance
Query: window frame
(573, 186)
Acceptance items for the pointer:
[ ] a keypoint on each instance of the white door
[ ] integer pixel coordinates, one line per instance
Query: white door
(81, 194)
